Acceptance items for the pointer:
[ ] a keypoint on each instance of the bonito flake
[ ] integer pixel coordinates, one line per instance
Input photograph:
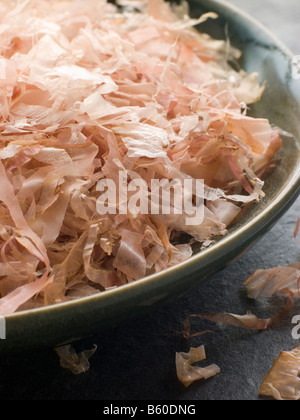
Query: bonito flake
(187, 373)
(89, 90)
(283, 380)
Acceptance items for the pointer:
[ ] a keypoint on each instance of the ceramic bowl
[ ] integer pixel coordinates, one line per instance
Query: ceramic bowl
(262, 52)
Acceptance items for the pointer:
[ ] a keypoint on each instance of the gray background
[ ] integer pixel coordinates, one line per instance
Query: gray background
(137, 359)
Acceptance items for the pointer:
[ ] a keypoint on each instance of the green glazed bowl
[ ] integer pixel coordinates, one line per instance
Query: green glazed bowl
(60, 324)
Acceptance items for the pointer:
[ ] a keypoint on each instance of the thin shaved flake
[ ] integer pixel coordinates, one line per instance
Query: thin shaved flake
(143, 140)
(282, 381)
(10, 303)
(249, 89)
(248, 321)
(297, 228)
(130, 258)
(7, 196)
(91, 90)
(96, 107)
(187, 373)
(265, 283)
(76, 363)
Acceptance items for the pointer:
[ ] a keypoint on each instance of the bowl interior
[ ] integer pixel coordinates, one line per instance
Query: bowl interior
(281, 105)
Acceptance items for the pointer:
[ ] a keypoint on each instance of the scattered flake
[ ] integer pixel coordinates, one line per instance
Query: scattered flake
(265, 283)
(283, 380)
(248, 321)
(297, 228)
(75, 363)
(187, 373)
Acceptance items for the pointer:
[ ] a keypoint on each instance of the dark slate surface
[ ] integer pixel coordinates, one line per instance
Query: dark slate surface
(137, 360)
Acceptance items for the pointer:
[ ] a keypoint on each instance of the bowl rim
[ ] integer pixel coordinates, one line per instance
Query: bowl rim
(253, 227)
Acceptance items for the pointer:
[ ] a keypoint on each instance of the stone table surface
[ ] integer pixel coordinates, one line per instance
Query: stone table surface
(136, 361)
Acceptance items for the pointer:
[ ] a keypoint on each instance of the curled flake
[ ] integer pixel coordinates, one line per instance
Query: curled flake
(75, 363)
(10, 303)
(130, 258)
(283, 381)
(187, 374)
(143, 140)
(265, 283)
(248, 321)
(96, 107)
(249, 90)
